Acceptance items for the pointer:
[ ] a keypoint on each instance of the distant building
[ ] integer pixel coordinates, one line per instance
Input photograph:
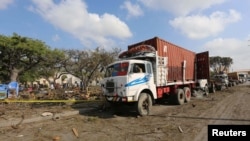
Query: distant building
(244, 71)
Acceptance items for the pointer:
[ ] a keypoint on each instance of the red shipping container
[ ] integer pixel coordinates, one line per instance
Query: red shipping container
(176, 57)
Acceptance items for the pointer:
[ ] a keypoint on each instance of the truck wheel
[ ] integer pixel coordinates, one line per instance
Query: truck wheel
(144, 104)
(179, 97)
(187, 94)
(234, 84)
(219, 87)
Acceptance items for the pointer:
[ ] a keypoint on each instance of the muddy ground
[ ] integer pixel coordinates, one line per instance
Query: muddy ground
(82, 122)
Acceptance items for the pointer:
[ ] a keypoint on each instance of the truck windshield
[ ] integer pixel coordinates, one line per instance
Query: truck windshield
(241, 75)
(119, 69)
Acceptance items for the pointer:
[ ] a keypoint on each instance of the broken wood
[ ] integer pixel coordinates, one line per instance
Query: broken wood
(179, 127)
(75, 132)
(56, 138)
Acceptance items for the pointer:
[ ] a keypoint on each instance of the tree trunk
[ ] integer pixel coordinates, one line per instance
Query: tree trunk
(14, 74)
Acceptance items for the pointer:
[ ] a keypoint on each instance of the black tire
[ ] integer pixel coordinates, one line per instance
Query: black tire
(234, 83)
(179, 97)
(187, 93)
(144, 104)
(219, 87)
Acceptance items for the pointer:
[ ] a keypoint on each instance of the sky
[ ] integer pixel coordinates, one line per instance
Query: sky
(218, 26)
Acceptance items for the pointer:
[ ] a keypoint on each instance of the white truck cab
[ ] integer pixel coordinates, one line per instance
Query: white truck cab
(124, 80)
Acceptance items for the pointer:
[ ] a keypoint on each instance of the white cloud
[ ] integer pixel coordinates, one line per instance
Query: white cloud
(237, 49)
(180, 7)
(5, 3)
(134, 10)
(201, 26)
(90, 28)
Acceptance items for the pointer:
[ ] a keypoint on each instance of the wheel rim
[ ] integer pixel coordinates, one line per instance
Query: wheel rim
(180, 95)
(188, 94)
(145, 104)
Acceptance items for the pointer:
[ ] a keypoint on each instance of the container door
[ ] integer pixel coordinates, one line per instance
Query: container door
(202, 65)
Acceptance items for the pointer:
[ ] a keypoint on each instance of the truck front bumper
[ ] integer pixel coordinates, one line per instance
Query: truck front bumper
(119, 99)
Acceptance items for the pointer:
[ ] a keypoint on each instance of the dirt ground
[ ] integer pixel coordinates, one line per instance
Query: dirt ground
(186, 122)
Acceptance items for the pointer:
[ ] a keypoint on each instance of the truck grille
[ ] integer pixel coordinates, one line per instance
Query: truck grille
(110, 86)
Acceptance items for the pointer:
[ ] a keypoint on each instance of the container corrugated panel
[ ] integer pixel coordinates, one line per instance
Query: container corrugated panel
(176, 56)
(202, 63)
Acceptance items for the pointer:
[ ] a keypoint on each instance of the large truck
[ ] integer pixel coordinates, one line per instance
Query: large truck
(239, 77)
(221, 81)
(155, 69)
(243, 76)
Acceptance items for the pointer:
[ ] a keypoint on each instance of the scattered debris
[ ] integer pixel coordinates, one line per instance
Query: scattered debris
(91, 93)
(55, 117)
(193, 105)
(75, 132)
(56, 138)
(179, 127)
(19, 123)
(45, 114)
(19, 136)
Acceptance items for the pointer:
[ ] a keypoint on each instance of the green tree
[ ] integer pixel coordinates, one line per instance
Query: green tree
(29, 76)
(220, 64)
(53, 66)
(21, 54)
(86, 65)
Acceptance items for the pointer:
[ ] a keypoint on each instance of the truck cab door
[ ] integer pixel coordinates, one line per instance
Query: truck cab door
(140, 79)
(136, 73)
(137, 78)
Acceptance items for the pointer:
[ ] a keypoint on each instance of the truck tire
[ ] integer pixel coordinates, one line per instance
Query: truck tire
(179, 97)
(144, 104)
(234, 83)
(187, 93)
(219, 87)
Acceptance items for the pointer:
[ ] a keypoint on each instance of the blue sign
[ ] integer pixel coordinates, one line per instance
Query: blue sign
(3, 91)
(13, 87)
